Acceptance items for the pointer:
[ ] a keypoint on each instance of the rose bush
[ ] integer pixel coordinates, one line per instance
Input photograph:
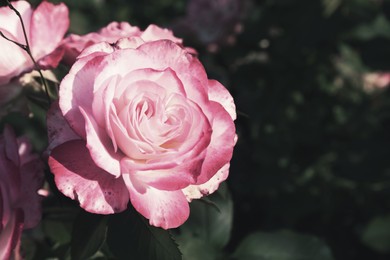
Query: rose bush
(45, 28)
(74, 44)
(21, 175)
(140, 121)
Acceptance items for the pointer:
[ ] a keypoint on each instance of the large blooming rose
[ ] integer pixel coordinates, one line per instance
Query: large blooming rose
(21, 175)
(74, 44)
(140, 121)
(45, 26)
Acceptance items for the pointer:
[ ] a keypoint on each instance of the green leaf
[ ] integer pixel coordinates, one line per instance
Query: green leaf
(208, 228)
(282, 245)
(194, 248)
(376, 235)
(330, 6)
(89, 232)
(130, 236)
(58, 231)
(212, 221)
(379, 27)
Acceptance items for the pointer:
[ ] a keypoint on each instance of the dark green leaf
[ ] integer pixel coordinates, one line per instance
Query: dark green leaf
(212, 223)
(377, 234)
(282, 245)
(208, 228)
(130, 236)
(89, 232)
(194, 248)
(58, 231)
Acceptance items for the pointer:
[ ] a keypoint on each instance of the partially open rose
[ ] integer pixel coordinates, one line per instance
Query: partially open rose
(74, 44)
(45, 28)
(21, 175)
(140, 121)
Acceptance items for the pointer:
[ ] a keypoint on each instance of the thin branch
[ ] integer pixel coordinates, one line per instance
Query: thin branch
(21, 20)
(27, 49)
(24, 47)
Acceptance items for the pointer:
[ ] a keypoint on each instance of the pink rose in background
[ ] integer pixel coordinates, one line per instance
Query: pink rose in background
(212, 23)
(140, 121)
(45, 26)
(375, 80)
(75, 44)
(21, 175)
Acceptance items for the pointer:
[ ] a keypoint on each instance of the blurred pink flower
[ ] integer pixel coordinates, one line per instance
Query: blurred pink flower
(45, 26)
(75, 44)
(140, 121)
(379, 80)
(212, 23)
(21, 176)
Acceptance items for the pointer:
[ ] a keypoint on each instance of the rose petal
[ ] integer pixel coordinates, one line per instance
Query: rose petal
(102, 102)
(52, 60)
(170, 176)
(223, 139)
(218, 93)
(166, 79)
(198, 191)
(94, 50)
(10, 22)
(166, 54)
(77, 177)
(153, 33)
(129, 43)
(114, 30)
(166, 209)
(13, 60)
(10, 234)
(29, 201)
(75, 44)
(100, 147)
(11, 146)
(76, 90)
(49, 23)
(58, 129)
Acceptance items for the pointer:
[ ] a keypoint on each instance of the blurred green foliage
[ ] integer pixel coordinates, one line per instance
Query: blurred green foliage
(313, 153)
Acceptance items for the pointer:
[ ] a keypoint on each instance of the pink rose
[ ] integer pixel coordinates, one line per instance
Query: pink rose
(375, 80)
(141, 121)
(75, 44)
(21, 175)
(45, 26)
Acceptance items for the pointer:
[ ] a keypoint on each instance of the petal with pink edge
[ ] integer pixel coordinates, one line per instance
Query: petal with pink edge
(77, 177)
(94, 50)
(218, 93)
(166, 53)
(153, 33)
(168, 177)
(198, 191)
(52, 60)
(49, 24)
(100, 146)
(76, 90)
(223, 139)
(166, 209)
